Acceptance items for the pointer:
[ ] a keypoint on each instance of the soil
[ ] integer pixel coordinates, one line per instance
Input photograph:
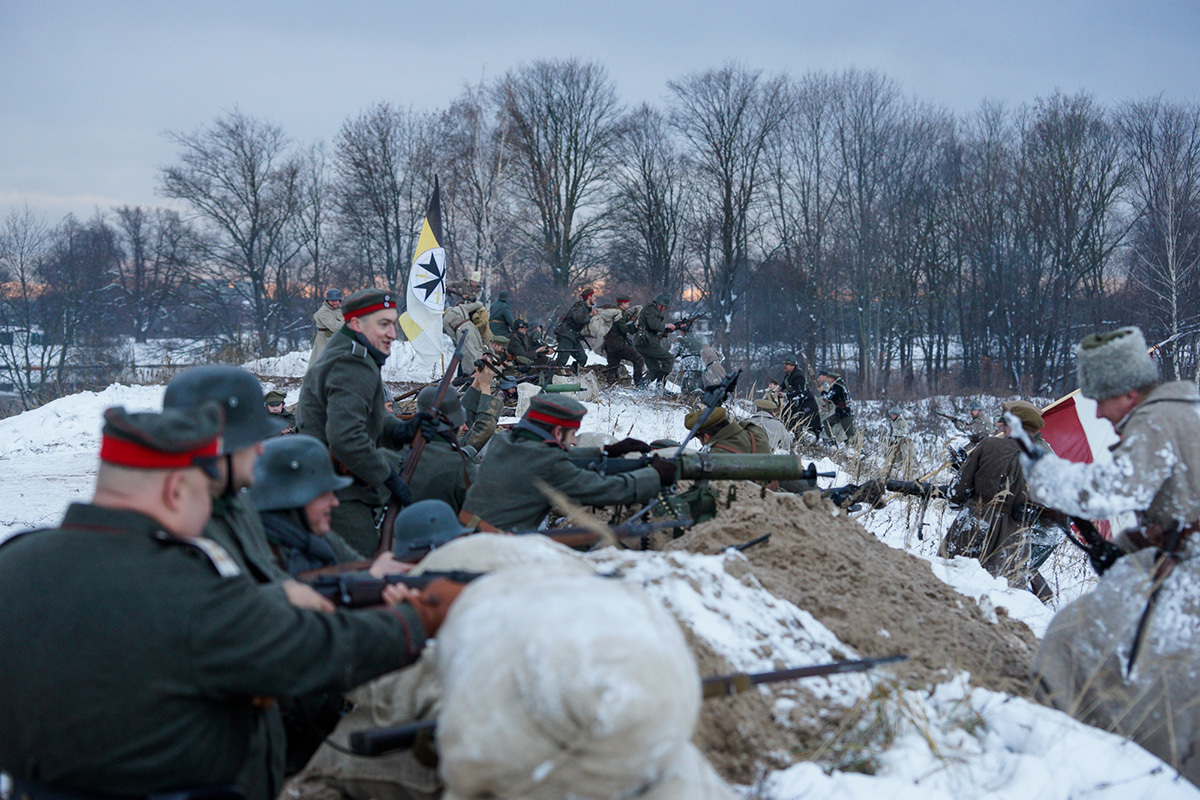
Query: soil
(878, 600)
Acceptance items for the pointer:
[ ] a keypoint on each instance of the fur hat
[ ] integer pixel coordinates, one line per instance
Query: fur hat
(1114, 363)
(1031, 418)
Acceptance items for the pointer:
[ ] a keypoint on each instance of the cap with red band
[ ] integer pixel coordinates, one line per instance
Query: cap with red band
(172, 439)
(367, 301)
(560, 411)
(586, 293)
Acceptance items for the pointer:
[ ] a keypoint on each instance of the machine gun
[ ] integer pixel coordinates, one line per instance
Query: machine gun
(379, 741)
(713, 466)
(361, 590)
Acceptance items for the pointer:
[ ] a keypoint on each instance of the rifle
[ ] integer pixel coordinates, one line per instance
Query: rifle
(392, 509)
(379, 741)
(713, 396)
(684, 324)
(360, 590)
(575, 537)
(958, 423)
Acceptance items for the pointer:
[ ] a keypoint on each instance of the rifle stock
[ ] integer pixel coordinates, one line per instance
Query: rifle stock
(354, 590)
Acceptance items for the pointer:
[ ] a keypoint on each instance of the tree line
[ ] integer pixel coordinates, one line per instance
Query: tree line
(830, 215)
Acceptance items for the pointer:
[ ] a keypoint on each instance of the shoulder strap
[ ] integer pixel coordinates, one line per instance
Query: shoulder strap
(221, 560)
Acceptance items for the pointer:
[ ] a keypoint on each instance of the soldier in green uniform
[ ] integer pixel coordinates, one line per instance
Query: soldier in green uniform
(137, 654)
(720, 433)
(274, 401)
(522, 349)
(977, 428)
(500, 316)
(341, 404)
(618, 347)
(505, 493)
(652, 328)
(445, 469)
(238, 529)
(570, 330)
(293, 492)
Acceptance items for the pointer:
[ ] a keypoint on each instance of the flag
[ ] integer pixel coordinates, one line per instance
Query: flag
(1075, 433)
(426, 294)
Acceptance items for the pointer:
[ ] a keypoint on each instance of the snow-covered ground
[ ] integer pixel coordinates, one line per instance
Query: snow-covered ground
(949, 741)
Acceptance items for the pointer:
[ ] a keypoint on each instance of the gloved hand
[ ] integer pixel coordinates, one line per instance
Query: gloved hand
(627, 445)
(432, 602)
(665, 470)
(398, 488)
(429, 423)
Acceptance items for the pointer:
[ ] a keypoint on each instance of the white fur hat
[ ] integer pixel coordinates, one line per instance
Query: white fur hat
(1114, 363)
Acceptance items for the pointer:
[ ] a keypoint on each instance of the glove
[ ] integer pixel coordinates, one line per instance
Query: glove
(628, 445)
(398, 488)
(430, 426)
(665, 470)
(432, 603)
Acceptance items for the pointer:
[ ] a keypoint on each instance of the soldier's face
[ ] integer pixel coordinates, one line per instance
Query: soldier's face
(319, 513)
(334, 303)
(975, 412)
(379, 327)
(788, 368)
(194, 502)
(1115, 409)
(275, 408)
(565, 436)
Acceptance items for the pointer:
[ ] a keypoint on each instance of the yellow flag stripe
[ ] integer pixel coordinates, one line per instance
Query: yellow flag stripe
(427, 241)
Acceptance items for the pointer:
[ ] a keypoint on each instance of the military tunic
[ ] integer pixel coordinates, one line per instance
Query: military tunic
(482, 412)
(778, 435)
(740, 437)
(456, 323)
(652, 327)
(801, 411)
(505, 495)
(341, 403)
(618, 348)
(329, 321)
(131, 663)
(501, 319)
(443, 473)
(570, 333)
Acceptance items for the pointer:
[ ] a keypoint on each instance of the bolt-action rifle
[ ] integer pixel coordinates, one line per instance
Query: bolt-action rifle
(360, 590)
(714, 466)
(379, 741)
(684, 324)
(576, 537)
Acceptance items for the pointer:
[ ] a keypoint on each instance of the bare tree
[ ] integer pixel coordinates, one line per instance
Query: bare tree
(475, 164)
(561, 124)
(1162, 143)
(241, 181)
(156, 249)
(727, 116)
(650, 203)
(26, 355)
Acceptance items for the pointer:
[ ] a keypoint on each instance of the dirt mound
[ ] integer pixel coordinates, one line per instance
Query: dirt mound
(876, 599)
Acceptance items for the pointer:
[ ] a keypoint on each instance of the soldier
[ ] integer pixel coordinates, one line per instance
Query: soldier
(570, 330)
(500, 316)
(498, 349)
(467, 289)
(767, 418)
(456, 323)
(238, 529)
(482, 409)
(618, 347)
(652, 328)
(801, 412)
(522, 349)
(996, 516)
(1124, 658)
(293, 491)
(445, 470)
(341, 404)
(274, 400)
(728, 435)
(159, 689)
(899, 453)
(837, 418)
(505, 494)
(328, 319)
(977, 428)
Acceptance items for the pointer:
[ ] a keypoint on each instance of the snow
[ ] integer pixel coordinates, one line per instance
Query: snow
(946, 741)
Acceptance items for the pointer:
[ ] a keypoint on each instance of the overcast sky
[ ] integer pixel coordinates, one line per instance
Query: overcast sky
(88, 87)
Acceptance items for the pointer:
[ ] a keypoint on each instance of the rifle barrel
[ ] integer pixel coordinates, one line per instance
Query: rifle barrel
(735, 683)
